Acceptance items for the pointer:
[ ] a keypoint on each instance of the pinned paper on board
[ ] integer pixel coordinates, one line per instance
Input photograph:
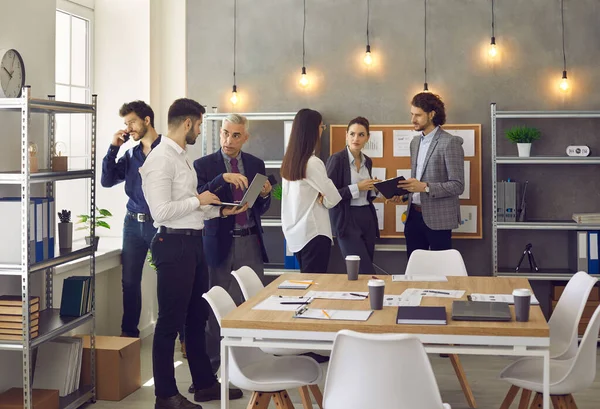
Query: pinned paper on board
(401, 217)
(378, 173)
(466, 194)
(379, 210)
(468, 136)
(468, 220)
(403, 172)
(374, 146)
(402, 140)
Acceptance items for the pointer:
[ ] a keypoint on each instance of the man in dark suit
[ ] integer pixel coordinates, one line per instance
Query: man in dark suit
(232, 242)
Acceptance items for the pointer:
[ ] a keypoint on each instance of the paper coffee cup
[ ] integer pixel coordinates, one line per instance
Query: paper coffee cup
(352, 267)
(376, 289)
(522, 300)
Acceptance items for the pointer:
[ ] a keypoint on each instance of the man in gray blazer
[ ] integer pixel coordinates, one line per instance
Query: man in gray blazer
(437, 178)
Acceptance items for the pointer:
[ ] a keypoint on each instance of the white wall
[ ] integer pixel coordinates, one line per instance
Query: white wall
(27, 26)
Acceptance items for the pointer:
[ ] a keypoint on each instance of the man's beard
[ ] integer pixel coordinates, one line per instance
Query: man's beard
(190, 137)
(142, 132)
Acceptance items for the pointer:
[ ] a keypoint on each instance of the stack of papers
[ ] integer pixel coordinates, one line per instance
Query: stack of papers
(419, 277)
(283, 303)
(430, 292)
(507, 298)
(345, 315)
(586, 217)
(295, 284)
(58, 365)
(338, 295)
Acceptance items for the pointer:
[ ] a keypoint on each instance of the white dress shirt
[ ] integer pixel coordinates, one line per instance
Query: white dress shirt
(359, 197)
(302, 217)
(169, 183)
(421, 155)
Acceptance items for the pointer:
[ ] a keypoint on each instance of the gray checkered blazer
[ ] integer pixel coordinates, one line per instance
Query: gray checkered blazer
(444, 172)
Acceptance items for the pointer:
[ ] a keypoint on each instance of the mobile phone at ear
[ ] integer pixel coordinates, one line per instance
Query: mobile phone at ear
(272, 180)
(125, 137)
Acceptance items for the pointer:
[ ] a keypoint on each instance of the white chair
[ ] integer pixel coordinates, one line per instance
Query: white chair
(566, 315)
(442, 262)
(567, 376)
(266, 375)
(383, 371)
(251, 285)
(446, 263)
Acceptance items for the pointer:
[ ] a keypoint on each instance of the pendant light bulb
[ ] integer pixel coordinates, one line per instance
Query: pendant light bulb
(425, 87)
(368, 58)
(564, 82)
(303, 78)
(493, 51)
(234, 96)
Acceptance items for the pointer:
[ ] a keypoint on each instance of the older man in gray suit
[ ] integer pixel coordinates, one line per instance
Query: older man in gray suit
(437, 178)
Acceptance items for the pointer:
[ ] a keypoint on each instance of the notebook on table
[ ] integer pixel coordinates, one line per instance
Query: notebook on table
(421, 315)
(480, 311)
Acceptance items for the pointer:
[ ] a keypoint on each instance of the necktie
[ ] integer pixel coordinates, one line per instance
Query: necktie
(241, 219)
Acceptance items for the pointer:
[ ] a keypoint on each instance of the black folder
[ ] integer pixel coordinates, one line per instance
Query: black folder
(419, 315)
(389, 188)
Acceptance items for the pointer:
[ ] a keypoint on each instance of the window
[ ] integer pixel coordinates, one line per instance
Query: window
(73, 83)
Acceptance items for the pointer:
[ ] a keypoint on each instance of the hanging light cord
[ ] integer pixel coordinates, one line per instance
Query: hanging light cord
(234, 36)
(493, 18)
(562, 22)
(368, 15)
(425, 53)
(303, 34)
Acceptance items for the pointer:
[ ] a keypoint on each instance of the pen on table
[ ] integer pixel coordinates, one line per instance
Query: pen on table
(290, 296)
(359, 295)
(294, 302)
(327, 315)
(437, 292)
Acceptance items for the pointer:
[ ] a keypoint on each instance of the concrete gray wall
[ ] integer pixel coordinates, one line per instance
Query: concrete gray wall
(269, 52)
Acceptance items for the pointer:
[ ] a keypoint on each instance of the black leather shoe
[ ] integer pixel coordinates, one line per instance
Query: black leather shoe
(214, 393)
(319, 358)
(175, 402)
(192, 389)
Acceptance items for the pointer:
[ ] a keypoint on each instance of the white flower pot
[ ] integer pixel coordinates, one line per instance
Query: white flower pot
(524, 149)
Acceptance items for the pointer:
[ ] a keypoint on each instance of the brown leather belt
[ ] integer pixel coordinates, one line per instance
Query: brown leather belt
(417, 208)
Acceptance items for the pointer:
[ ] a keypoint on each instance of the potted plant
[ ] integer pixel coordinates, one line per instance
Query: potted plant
(85, 220)
(523, 136)
(65, 231)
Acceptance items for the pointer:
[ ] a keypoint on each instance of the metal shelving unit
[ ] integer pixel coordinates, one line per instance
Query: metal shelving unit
(554, 225)
(51, 324)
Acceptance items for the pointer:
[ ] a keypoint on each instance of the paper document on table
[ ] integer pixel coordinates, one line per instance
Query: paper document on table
(398, 300)
(295, 284)
(327, 314)
(430, 292)
(419, 277)
(338, 295)
(282, 303)
(508, 298)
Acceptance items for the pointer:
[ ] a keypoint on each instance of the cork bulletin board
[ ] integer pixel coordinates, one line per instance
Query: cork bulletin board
(388, 148)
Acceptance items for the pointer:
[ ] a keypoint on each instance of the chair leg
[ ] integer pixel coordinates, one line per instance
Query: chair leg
(570, 402)
(559, 402)
(282, 400)
(537, 401)
(317, 394)
(510, 396)
(525, 397)
(305, 396)
(462, 378)
(259, 400)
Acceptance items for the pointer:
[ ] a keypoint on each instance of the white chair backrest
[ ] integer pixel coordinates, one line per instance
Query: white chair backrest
(222, 304)
(583, 370)
(383, 371)
(249, 281)
(440, 262)
(565, 318)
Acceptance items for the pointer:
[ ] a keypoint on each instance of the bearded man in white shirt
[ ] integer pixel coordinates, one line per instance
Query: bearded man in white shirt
(169, 183)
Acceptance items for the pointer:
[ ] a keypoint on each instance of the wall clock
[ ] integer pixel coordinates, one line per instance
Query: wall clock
(12, 73)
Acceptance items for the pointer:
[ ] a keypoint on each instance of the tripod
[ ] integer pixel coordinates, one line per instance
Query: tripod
(532, 264)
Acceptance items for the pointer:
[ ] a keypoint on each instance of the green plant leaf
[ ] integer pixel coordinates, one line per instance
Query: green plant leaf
(522, 134)
(104, 212)
(101, 223)
(277, 192)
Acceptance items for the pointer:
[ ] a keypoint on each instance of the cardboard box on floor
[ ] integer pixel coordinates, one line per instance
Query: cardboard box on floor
(42, 399)
(118, 372)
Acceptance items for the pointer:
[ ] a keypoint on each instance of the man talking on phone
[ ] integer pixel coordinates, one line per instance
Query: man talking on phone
(138, 228)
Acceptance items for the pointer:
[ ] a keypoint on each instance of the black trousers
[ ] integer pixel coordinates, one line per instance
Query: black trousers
(359, 237)
(314, 256)
(182, 278)
(420, 237)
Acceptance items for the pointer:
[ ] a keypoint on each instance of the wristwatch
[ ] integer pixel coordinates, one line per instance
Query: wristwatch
(221, 213)
(426, 187)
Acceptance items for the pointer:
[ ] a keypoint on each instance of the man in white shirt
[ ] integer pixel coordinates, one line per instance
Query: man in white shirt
(169, 183)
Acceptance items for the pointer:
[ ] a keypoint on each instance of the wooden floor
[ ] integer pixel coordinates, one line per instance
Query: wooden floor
(482, 373)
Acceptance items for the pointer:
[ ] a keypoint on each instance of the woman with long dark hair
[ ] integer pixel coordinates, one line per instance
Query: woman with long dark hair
(307, 194)
(354, 220)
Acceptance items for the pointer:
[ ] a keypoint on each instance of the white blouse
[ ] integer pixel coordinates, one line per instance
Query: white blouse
(302, 217)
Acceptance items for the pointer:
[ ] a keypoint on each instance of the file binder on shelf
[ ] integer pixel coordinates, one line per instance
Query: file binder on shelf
(593, 262)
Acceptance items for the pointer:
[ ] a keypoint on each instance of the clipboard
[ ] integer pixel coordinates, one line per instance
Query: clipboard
(333, 315)
(389, 187)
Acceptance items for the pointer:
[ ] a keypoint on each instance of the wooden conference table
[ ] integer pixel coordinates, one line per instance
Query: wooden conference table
(245, 327)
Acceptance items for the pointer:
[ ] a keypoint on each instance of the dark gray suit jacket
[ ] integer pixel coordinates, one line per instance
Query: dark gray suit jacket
(445, 173)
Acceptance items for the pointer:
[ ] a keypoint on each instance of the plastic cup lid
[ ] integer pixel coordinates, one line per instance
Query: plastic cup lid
(376, 283)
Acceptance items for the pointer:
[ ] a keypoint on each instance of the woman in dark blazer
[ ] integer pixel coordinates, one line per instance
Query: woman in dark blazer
(354, 220)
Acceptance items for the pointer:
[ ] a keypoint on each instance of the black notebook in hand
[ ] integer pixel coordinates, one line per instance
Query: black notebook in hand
(389, 188)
